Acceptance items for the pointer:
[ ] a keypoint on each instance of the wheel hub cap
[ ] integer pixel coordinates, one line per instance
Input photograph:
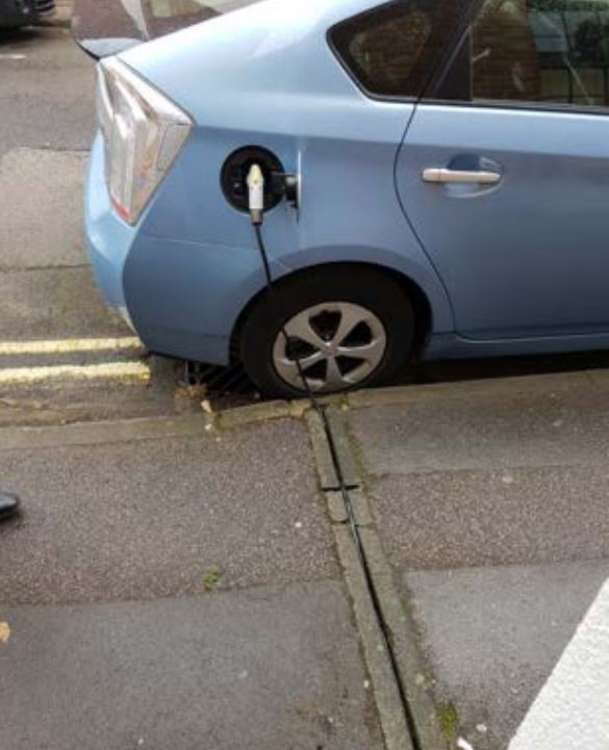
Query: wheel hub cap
(336, 345)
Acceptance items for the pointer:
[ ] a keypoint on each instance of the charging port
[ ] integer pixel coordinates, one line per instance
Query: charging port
(277, 183)
(235, 173)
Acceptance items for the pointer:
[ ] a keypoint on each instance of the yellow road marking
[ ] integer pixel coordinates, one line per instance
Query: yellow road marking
(64, 346)
(134, 372)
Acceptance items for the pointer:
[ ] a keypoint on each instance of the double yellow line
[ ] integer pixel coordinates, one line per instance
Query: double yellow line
(133, 371)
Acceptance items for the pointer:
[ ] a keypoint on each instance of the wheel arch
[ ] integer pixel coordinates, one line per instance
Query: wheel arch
(423, 311)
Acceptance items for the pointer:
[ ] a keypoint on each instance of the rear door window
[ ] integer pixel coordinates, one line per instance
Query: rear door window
(549, 53)
(393, 50)
(546, 51)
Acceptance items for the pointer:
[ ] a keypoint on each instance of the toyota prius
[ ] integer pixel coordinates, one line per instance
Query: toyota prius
(426, 179)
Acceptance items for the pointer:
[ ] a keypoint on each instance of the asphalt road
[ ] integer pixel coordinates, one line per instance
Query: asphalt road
(46, 92)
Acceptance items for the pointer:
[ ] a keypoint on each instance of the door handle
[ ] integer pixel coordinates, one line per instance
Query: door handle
(481, 177)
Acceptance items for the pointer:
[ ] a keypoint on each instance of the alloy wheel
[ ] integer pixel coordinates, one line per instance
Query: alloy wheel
(336, 345)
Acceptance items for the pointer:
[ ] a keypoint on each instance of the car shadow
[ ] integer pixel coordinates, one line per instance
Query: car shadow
(229, 387)
(503, 367)
(20, 35)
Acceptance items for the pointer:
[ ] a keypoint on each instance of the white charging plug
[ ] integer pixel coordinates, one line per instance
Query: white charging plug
(255, 185)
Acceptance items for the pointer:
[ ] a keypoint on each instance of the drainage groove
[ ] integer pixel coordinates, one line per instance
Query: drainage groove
(378, 610)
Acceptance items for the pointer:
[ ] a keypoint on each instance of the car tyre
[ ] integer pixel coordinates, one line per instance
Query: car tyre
(347, 326)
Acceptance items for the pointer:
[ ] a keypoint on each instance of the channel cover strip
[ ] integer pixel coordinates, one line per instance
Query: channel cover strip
(396, 637)
(351, 519)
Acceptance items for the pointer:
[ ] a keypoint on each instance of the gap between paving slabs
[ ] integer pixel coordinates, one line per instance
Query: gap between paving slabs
(408, 714)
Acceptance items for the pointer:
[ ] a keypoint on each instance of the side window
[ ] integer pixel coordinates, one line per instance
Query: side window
(545, 51)
(393, 50)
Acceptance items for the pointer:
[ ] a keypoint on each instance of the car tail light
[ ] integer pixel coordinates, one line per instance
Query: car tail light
(143, 133)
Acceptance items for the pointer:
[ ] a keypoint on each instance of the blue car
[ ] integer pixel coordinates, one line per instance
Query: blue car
(435, 185)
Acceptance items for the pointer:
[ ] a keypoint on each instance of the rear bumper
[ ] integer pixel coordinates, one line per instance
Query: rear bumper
(108, 237)
(174, 294)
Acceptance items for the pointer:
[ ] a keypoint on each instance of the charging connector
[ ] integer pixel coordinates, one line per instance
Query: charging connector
(255, 183)
(282, 185)
(255, 186)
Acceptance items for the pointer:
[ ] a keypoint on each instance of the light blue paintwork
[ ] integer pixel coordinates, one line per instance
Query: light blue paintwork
(266, 76)
(527, 258)
(108, 238)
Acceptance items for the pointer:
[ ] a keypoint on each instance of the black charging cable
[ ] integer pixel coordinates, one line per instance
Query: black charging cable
(255, 184)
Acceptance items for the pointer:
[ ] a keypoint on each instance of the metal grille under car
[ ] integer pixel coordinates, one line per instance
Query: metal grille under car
(45, 7)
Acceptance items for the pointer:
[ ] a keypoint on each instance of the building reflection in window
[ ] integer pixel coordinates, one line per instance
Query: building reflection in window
(542, 50)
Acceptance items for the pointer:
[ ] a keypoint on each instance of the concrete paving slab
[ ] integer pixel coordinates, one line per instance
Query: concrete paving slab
(42, 222)
(470, 518)
(473, 428)
(267, 669)
(493, 635)
(147, 519)
(503, 477)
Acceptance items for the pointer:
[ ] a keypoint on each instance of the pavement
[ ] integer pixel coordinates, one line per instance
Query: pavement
(276, 667)
(179, 578)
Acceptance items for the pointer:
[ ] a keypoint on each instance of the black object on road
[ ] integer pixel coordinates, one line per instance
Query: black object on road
(16, 13)
(9, 505)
